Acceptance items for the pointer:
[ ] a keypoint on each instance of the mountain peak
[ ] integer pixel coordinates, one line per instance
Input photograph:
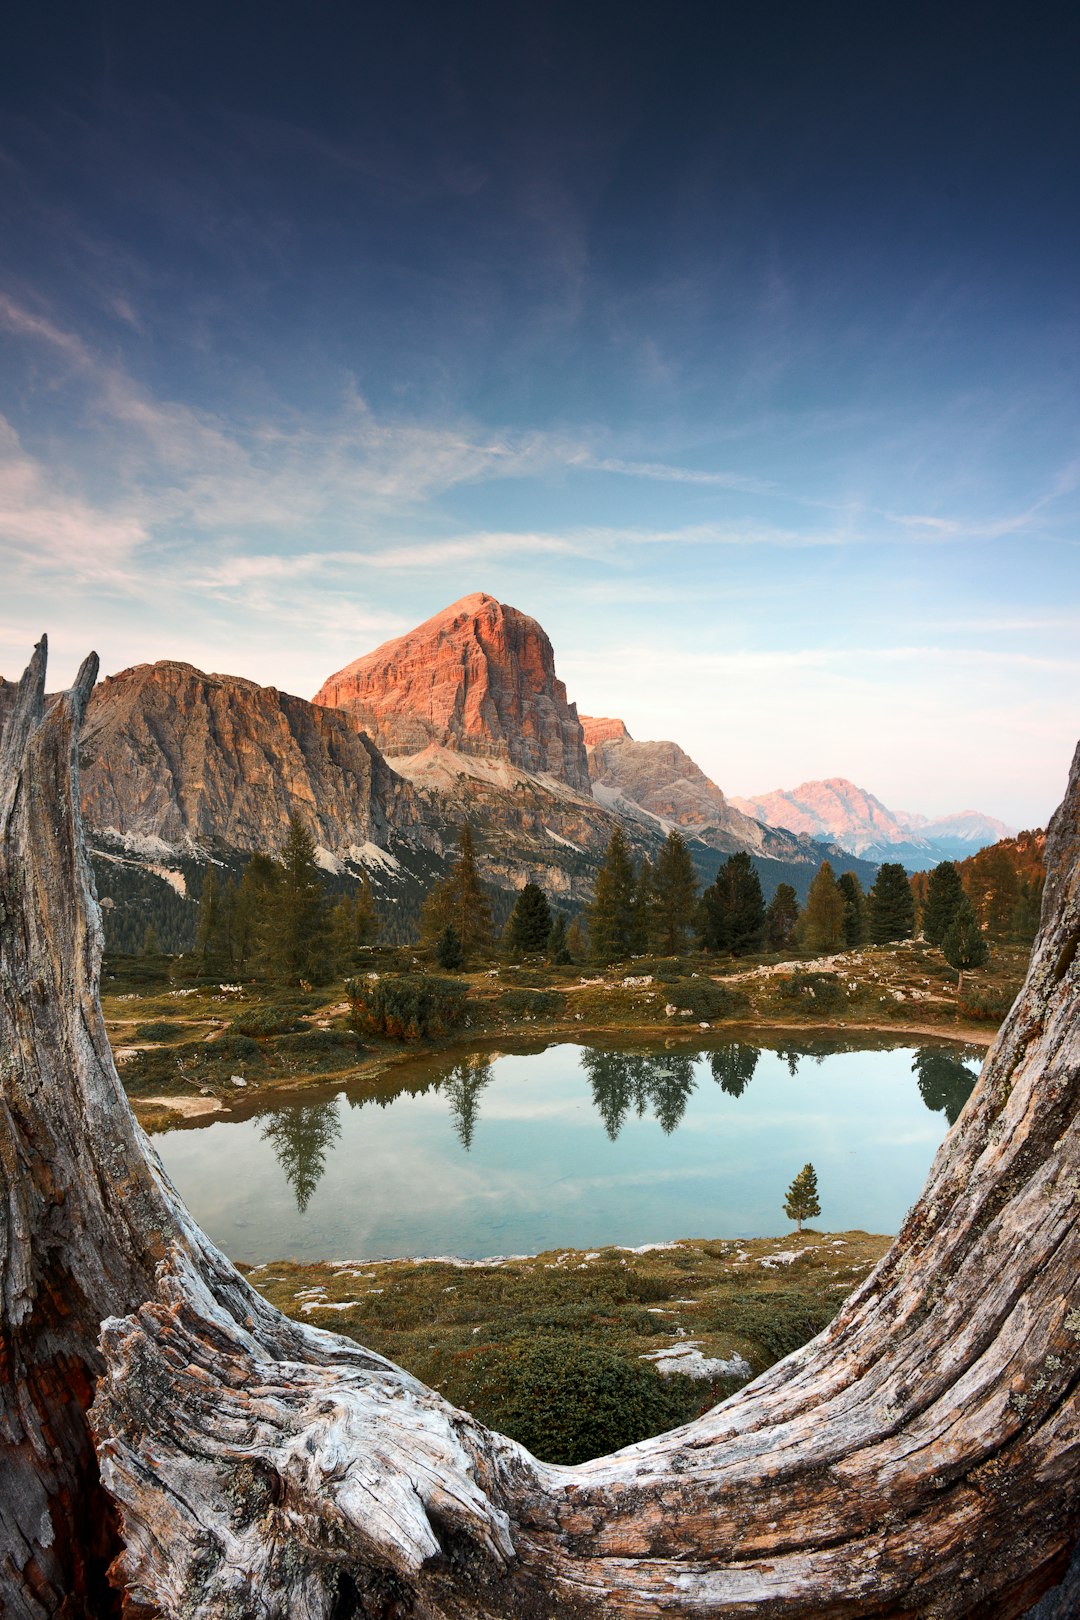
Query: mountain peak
(601, 730)
(476, 678)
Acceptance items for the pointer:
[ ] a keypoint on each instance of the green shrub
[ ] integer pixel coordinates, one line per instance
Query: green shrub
(407, 1006)
(531, 1003)
(812, 992)
(568, 1401)
(779, 1322)
(989, 1005)
(275, 1020)
(237, 1046)
(706, 999)
(159, 1031)
(667, 969)
(320, 1040)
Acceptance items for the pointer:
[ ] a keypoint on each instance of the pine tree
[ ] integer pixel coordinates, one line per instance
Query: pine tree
(641, 931)
(892, 905)
(611, 917)
(855, 918)
(530, 921)
(207, 938)
(801, 1202)
(448, 951)
(674, 896)
(297, 933)
(459, 901)
(944, 892)
(575, 941)
(731, 916)
(821, 927)
(557, 948)
(964, 947)
(353, 924)
(781, 918)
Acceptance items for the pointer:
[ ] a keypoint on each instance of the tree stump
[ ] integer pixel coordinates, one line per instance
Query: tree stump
(170, 1444)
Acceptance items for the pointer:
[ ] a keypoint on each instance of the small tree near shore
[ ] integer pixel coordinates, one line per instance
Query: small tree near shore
(802, 1197)
(964, 946)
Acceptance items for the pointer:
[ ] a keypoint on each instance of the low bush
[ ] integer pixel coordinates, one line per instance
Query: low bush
(568, 1401)
(407, 1006)
(779, 1322)
(987, 1005)
(320, 1040)
(706, 999)
(530, 1003)
(263, 1021)
(161, 1030)
(812, 992)
(667, 969)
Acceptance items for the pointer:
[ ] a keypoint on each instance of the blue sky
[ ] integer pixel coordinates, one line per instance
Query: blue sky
(741, 350)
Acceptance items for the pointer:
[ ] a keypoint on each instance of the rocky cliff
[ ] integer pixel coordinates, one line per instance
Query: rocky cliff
(187, 760)
(859, 822)
(478, 678)
(661, 780)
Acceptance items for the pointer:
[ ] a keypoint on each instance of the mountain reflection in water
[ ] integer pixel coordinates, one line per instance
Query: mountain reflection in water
(623, 1084)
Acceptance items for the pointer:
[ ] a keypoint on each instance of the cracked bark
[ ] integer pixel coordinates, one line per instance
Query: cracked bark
(169, 1438)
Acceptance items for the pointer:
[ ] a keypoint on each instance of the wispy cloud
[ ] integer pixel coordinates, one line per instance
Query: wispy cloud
(662, 473)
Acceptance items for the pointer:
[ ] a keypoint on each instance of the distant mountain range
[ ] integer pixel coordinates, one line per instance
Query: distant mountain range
(847, 815)
(463, 717)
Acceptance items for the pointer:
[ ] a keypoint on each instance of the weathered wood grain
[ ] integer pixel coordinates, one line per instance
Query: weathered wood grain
(919, 1458)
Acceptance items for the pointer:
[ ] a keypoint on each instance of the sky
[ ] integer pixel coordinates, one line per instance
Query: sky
(737, 344)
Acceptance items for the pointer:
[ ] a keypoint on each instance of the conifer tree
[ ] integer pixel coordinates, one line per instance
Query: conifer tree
(448, 952)
(964, 947)
(944, 892)
(674, 896)
(892, 905)
(821, 926)
(611, 917)
(575, 941)
(557, 947)
(210, 946)
(641, 930)
(298, 936)
(353, 924)
(855, 916)
(801, 1202)
(253, 909)
(781, 918)
(530, 921)
(732, 911)
(459, 901)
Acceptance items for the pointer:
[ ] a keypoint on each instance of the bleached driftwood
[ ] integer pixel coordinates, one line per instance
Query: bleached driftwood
(919, 1458)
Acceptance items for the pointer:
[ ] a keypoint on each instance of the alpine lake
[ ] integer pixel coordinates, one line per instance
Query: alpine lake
(537, 1147)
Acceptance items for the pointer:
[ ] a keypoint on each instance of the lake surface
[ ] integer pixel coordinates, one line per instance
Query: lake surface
(572, 1146)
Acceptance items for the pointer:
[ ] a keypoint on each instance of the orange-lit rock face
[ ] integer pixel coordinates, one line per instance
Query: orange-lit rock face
(602, 730)
(479, 678)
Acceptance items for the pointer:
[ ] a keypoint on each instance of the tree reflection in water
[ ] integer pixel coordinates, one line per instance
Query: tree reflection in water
(624, 1080)
(945, 1081)
(733, 1067)
(463, 1085)
(301, 1139)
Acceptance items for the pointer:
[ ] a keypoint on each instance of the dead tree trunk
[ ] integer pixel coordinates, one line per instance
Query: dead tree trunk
(919, 1458)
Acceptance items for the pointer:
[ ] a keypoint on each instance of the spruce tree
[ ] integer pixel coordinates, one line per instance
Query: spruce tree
(674, 896)
(892, 905)
(801, 1202)
(448, 952)
(353, 924)
(964, 947)
(459, 901)
(781, 918)
(530, 921)
(732, 911)
(575, 941)
(821, 926)
(254, 909)
(944, 892)
(611, 917)
(299, 939)
(557, 947)
(211, 939)
(641, 929)
(855, 918)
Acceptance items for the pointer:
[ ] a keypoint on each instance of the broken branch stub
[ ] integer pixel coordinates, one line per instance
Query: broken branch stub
(918, 1458)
